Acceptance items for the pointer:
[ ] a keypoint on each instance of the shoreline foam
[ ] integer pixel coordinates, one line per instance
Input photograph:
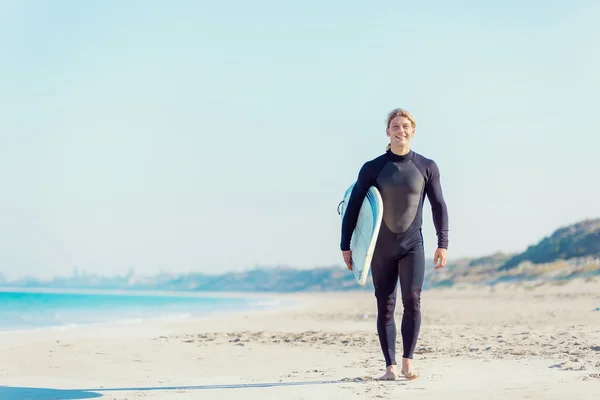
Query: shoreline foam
(62, 317)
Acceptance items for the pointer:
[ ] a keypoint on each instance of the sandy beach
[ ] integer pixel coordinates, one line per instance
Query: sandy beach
(535, 342)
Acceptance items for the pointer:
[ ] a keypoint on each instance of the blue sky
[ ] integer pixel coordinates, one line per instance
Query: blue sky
(197, 136)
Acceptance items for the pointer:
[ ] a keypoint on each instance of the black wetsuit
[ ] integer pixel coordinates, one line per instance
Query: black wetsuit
(403, 182)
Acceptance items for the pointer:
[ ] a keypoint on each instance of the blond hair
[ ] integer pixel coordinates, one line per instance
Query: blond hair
(399, 112)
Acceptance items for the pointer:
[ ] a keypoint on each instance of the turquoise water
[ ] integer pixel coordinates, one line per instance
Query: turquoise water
(22, 310)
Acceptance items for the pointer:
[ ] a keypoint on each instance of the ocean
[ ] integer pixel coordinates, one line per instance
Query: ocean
(35, 309)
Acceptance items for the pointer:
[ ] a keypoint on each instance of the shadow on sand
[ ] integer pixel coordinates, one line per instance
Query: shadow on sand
(26, 393)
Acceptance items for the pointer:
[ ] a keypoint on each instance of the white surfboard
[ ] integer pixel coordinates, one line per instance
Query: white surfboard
(366, 231)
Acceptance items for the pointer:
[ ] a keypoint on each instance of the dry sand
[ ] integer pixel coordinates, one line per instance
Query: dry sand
(501, 343)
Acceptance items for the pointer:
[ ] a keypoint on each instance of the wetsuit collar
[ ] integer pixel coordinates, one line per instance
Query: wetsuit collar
(396, 158)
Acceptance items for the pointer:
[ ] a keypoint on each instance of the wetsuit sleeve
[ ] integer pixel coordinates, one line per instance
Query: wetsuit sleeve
(433, 189)
(359, 191)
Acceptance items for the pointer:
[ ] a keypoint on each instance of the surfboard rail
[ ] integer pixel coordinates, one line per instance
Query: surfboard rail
(364, 236)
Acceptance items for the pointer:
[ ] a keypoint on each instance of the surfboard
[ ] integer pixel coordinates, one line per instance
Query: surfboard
(366, 231)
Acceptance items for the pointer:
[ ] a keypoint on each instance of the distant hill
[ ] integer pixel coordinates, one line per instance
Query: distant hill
(260, 279)
(274, 279)
(578, 240)
(569, 252)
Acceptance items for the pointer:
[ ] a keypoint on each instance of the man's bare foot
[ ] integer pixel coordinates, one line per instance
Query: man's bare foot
(407, 369)
(391, 374)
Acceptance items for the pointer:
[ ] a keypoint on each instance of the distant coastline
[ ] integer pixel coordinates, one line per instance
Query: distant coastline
(45, 288)
(570, 252)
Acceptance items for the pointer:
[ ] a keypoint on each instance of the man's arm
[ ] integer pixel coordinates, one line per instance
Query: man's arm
(359, 191)
(433, 189)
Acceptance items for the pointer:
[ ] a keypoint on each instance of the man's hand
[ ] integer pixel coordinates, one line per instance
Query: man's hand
(440, 255)
(348, 258)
